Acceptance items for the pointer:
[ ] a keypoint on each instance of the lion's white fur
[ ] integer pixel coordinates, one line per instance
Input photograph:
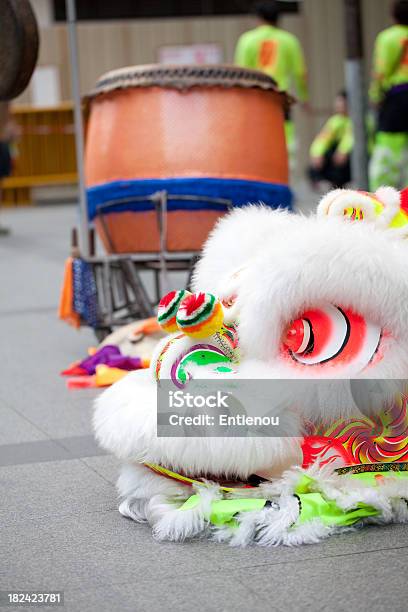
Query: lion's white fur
(286, 264)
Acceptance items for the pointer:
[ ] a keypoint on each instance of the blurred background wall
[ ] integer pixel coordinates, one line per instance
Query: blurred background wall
(105, 45)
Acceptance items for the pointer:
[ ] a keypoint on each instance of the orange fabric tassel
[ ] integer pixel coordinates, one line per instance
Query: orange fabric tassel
(147, 326)
(66, 311)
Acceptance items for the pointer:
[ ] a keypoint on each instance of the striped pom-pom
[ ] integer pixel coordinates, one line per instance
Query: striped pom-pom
(167, 310)
(200, 315)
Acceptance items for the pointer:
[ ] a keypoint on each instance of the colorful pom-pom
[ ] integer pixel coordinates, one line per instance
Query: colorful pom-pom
(200, 315)
(167, 310)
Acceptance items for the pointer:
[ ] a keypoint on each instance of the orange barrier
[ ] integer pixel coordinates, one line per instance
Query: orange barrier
(45, 151)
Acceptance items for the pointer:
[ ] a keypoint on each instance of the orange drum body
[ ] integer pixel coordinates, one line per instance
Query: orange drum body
(216, 132)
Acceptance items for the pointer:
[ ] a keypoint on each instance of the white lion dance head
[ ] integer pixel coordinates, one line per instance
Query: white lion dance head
(319, 297)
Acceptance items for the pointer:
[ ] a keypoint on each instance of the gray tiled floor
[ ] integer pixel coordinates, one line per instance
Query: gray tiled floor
(59, 525)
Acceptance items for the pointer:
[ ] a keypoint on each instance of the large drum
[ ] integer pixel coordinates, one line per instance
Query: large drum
(207, 132)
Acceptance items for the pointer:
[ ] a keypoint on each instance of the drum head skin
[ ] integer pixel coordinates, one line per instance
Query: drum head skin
(183, 77)
(18, 47)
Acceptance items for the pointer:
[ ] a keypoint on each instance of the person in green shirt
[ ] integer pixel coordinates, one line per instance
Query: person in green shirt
(331, 149)
(389, 93)
(278, 53)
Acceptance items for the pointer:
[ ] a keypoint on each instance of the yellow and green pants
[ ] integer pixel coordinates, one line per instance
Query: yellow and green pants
(389, 160)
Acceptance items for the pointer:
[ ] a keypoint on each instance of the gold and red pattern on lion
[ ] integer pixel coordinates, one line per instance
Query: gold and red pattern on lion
(379, 439)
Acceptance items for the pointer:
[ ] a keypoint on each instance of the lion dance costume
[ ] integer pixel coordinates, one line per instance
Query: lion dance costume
(278, 296)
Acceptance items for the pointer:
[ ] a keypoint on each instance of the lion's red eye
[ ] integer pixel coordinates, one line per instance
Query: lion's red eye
(298, 336)
(331, 334)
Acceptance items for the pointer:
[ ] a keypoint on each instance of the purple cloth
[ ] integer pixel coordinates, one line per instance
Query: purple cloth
(110, 355)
